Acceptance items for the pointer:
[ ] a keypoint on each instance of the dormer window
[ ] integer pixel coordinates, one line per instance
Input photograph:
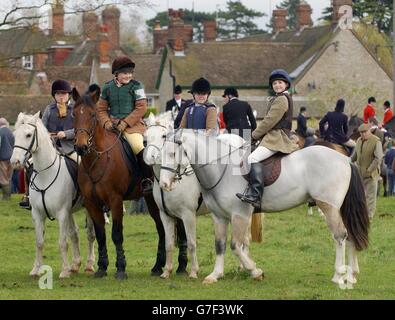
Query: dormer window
(27, 62)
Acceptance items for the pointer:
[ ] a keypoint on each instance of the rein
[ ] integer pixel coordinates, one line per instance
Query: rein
(28, 154)
(91, 148)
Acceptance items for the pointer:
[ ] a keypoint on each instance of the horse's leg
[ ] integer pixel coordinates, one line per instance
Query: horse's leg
(117, 237)
(64, 226)
(339, 232)
(161, 253)
(239, 230)
(75, 240)
(168, 224)
(90, 232)
(39, 226)
(353, 270)
(220, 230)
(189, 220)
(96, 214)
(182, 246)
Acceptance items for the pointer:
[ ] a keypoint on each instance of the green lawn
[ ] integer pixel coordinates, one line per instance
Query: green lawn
(297, 256)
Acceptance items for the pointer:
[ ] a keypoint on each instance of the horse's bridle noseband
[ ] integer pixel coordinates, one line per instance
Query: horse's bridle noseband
(29, 150)
(90, 132)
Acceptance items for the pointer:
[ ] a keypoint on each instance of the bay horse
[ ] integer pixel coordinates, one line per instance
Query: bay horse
(105, 180)
(317, 173)
(52, 193)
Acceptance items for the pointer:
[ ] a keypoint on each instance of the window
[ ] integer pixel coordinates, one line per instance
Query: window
(150, 102)
(27, 62)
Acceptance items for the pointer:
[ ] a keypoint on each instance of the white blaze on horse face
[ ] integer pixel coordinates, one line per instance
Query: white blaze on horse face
(155, 140)
(170, 161)
(23, 137)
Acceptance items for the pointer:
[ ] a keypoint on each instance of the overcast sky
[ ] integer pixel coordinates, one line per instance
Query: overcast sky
(265, 6)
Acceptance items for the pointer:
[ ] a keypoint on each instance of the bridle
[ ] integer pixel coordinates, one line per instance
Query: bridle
(29, 150)
(179, 174)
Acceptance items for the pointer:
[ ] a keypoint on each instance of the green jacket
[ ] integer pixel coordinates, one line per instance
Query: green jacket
(121, 100)
(368, 156)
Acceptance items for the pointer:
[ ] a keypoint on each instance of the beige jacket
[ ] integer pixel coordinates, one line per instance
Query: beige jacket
(274, 139)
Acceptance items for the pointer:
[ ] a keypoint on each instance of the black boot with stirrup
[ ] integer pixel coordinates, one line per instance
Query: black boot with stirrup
(146, 183)
(255, 189)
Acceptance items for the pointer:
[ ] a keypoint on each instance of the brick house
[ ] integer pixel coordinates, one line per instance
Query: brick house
(33, 59)
(314, 57)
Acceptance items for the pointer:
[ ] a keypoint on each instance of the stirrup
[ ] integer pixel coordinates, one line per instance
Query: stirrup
(146, 185)
(25, 203)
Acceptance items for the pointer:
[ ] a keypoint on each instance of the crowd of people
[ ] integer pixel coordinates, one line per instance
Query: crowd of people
(122, 106)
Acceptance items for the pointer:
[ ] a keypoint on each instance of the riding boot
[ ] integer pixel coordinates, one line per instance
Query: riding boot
(147, 172)
(255, 189)
(25, 203)
(6, 191)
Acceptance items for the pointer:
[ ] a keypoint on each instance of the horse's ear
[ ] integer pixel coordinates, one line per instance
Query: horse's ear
(37, 116)
(95, 94)
(75, 94)
(151, 118)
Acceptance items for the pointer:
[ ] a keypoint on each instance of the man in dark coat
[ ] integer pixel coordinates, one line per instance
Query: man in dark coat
(237, 114)
(337, 126)
(174, 105)
(302, 129)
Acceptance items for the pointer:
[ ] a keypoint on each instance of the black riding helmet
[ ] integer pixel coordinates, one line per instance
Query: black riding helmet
(201, 85)
(279, 74)
(60, 86)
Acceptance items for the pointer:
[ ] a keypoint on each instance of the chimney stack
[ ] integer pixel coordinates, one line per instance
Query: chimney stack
(188, 33)
(104, 47)
(90, 25)
(110, 17)
(176, 31)
(58, 19)
(303, 15)
(210, 30)
(279, 20)
(336, 6)
(159, 37)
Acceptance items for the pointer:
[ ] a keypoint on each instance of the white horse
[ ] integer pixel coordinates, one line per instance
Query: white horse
(317, 173)
(168, 203)
(51, 192)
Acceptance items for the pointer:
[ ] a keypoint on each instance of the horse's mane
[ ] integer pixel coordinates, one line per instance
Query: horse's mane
(85, 99)
(233, 140)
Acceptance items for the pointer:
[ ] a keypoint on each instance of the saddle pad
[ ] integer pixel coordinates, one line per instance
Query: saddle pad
(271, 169)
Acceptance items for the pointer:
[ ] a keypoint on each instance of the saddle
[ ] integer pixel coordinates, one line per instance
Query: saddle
(271, 169)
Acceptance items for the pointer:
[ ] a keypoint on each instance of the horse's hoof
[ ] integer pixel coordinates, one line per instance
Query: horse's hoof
(165, 275)
(193, 275)
(65, 275)
(100, 273)
(75, 268)
(89, 269)
(121, 275)
(257, 274)
(209, 280)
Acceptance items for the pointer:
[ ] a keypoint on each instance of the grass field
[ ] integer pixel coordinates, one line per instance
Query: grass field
(297, 256)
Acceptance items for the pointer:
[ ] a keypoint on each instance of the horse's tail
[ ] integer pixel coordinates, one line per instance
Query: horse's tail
(354, 211)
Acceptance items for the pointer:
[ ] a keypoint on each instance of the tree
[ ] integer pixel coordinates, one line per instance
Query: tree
(237, 22)
(378, 13)
(194, 18)
(22, 13)
(291, 6)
